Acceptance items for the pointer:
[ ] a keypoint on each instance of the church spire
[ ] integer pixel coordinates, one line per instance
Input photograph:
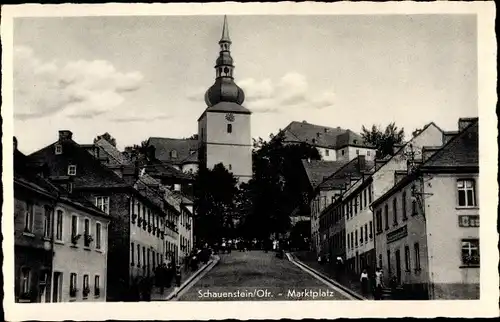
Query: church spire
(225, 32)
(224, 89)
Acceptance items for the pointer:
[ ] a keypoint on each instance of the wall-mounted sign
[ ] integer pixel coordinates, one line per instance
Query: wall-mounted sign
(468, 221)
(397, 234)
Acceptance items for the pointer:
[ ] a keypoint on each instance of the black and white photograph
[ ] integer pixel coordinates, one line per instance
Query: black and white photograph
(236, 155)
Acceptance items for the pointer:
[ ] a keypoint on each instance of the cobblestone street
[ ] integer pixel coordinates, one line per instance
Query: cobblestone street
(256, 275)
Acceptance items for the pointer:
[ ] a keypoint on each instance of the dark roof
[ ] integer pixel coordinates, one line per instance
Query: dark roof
(318, 170)
(157, 169)
(228, 107)
(462, 151)
(323, 136)
(186, 148)
(116, 157)
(353, 169)
(90, 172)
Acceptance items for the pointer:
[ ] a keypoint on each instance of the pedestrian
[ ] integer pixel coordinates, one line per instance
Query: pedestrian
(168, 275)
(178, 277)
(378, 283)
(364, 281)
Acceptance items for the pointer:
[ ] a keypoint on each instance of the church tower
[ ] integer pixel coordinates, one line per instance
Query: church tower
(224, 127)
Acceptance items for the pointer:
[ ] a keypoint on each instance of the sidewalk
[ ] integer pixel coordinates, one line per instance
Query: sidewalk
(347, 281)
(186, 276)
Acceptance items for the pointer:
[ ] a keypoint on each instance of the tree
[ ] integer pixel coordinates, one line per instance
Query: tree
(276, 188)
(215, 193)
(106, 136)
(383, 141)
(193, 137)
(135, 150)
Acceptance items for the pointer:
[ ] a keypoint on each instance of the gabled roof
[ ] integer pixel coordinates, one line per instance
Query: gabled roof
(318, 170)
(156, 168)
(323, 136)
(185, 148)
(90, 172)
(461, 151)
(115, 155)
(354, 168)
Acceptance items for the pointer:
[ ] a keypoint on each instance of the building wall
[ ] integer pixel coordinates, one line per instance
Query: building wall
(348, 153)
(383, 178)
(327, 154)
(233, 149)
(190, 167)
(417, 276)
(185, 240)
(29, 251)
(322, 200)
(148, 239)
(76, 258)
(450, 277)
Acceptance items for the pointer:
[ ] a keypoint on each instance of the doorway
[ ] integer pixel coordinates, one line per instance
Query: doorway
(56, 288)
(398, 266)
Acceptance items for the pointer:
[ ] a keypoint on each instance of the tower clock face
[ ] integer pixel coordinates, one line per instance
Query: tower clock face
(230, 117)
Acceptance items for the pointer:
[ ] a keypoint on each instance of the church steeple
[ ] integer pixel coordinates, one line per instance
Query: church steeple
(224, 89)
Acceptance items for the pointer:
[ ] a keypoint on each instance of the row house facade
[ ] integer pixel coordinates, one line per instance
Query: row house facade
(440, 192)
(60, 240)
(178, 209)
(328, 193)
(84, 175)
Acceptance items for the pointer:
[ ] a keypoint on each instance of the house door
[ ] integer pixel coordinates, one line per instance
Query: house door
(56, 288)
(398, 266)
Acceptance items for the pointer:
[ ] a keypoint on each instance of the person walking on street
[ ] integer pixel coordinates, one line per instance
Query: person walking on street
(364, 282)
(378, 283)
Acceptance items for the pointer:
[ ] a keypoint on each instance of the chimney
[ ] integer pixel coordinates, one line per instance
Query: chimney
(65, 135)
(317, 135)
(361, 163)
(15, 143)
(464, 122)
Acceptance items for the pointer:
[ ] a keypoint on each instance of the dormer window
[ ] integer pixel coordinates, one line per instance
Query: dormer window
(72, 170)
(173, 154)
(58, 149)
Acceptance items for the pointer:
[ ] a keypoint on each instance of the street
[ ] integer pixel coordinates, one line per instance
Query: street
(256, 275)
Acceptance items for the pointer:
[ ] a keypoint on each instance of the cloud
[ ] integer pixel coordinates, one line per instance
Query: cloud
(290, 91)
(79, 89)
(196, 94)
(140, 116)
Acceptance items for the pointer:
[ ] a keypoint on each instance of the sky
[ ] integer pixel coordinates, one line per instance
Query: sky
(138, 77)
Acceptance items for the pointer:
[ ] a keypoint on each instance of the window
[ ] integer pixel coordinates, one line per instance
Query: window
(369, 194)
(97, 286)
(403, 205)
(98, 235)
(59, 227)
(86, 288)
(173, 154)
(86, 225)
(28, 218)
(148, 260)
(74, 226)
(72, 170)
(229, 128)
(357, 152)
(350, 208)
(343, 152)
(378, 218)
(348, 242)
(138, 255)
(154, 259)
(144, 258)
(368, 153)
(132, 254)
(414, 211)
(361, 235)
(230, 167)
(389, 262)
(356, 238)
(386, 215)
(395, 211)
(416, 248)
(103, 204)
(380, 260)
(352, 239)
(72, 285)
(364, 197)
(366, 232)
(25, 280)
(47, 228)
(58, 149)
(407, 258)
(470, 252)
(371, 229)
(466, 193)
